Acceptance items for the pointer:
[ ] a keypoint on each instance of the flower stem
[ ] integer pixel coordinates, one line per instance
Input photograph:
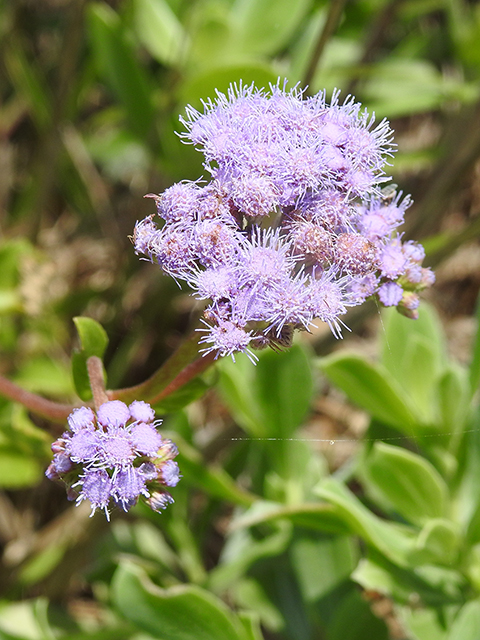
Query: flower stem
(54, 411)
(331, 23)
(97, 381)
(180, 368)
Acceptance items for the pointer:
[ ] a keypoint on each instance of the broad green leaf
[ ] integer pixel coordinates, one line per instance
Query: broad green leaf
(251, 626)
(422, 623)
(437, 588)
(237, 386)
(250, 595)
(183, 612)
(159, 30)
(466, 625)
(438, 543)
(321, 563)
(371, 387)
(453, 394)
(393, 541)
(19, 620)
(284, 387)
(117, 63)
(266, 26)
(407, 481)
(354, 619)
(402, 86)
(399, 332)
(272, 398)
(93, 337)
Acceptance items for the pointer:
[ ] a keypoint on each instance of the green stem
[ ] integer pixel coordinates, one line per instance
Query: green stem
(333, 18)
(180, 368)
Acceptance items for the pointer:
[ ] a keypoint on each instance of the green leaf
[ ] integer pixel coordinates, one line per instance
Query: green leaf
(438, 543)
(117, 64)
(266, 26)
(331, 558)
(272, 398)
(159, 30)
(251, 626)
(422, 623)
(93, 340)
(284, 387)
(407, 481)
(183, 612)
(93, 337)
(394, 542)
(243, 549)
(353, 619)
(435, 586)
(413, 351)
(453, 393)
(371, 387)
(467, 623)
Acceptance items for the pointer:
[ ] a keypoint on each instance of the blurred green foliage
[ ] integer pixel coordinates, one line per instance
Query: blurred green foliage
(264, 540)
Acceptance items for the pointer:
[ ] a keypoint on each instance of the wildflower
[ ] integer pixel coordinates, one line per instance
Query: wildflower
(294, 225)
(115, 456)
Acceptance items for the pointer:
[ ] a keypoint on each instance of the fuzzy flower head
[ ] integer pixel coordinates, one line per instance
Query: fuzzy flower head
(114, 457)
(295, 225)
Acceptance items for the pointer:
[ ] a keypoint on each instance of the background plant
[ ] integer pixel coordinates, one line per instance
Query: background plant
(283, 531)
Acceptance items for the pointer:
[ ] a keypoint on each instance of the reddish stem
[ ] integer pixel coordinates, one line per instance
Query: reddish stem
(46, 408)
(97, 381)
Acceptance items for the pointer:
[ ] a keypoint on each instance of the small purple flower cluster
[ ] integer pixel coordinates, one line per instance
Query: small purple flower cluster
(116, 455)
(293, 225)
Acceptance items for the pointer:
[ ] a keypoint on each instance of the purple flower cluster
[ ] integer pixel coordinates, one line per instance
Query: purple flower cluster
(115, 456)
(293, 225)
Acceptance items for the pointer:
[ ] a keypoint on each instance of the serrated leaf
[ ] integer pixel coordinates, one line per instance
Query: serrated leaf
(407, 481)
(371, 387)
(183, 612)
